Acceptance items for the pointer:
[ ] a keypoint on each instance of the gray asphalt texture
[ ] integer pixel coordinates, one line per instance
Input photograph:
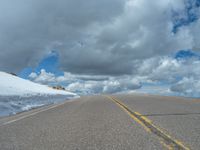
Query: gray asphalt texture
(97, 123)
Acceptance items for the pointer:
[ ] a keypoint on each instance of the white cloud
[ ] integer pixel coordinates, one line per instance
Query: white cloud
(33, 75)
(88, 87)
(104, 46)
(112, 85)
(164, 74)
(110, 36)
(168, 69)
(180, 76)
(187, 87)
(44, 77)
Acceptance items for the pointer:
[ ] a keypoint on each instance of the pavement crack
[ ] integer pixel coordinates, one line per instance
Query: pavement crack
(174, 114)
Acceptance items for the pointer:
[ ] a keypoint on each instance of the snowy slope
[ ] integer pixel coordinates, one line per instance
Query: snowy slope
(12, 85)
(17, 95)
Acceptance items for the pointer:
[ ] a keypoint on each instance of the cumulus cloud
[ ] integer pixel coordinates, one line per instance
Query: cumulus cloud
(44, 77)
(138, 33)
(30, 29)
(103, 46)
(181, 75)
(85, 84)
(187, 87)
(162, 74)
(33, 75)
(93, 37)
(168, 68)
(109, 86)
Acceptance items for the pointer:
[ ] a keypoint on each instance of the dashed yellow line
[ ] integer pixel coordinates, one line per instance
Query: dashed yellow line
(166, 140)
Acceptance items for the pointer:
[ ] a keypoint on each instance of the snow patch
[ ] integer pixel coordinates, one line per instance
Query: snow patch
(17, 95)
(12, 85)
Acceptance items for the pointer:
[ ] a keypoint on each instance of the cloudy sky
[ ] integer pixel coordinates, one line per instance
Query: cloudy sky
(104, 46)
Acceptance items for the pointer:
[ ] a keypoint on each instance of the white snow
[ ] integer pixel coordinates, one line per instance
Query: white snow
(17, 94)
(11, 85)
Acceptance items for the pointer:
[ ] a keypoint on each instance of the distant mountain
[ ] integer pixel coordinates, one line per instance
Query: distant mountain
(11, 85)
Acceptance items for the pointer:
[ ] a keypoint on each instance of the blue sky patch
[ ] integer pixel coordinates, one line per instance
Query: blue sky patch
(50, 63)
(184, 54)
(188, 17)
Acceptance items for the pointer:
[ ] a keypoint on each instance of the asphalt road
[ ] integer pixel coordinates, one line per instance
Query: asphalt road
(118, 122)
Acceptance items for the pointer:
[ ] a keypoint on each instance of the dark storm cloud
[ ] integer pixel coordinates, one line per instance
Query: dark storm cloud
(107, 37)
(29, 29)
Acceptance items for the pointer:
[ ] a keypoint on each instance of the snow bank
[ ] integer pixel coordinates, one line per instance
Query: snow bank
(12, 85)
(17, 95)
(10, 105)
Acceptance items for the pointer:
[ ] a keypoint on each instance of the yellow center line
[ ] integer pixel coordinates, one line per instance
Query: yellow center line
(166, 140)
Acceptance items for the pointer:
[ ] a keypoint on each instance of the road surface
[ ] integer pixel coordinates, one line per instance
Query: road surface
(115, 122)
